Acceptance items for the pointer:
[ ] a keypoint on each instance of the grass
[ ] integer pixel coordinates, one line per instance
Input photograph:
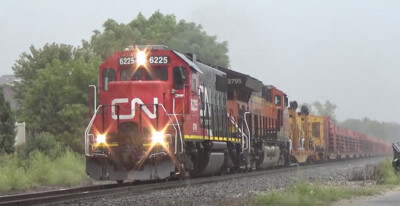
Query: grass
(316, 194)
(309, 194)
(38, 169)
(387, 175)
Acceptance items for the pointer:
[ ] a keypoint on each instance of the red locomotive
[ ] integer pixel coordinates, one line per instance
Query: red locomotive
(163, 114)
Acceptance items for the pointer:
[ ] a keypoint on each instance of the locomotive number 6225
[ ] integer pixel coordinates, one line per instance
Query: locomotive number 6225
(158, 60)
(126, 60)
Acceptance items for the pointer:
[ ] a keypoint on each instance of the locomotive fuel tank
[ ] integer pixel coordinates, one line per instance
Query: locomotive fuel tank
(210, 158)
(269, 158)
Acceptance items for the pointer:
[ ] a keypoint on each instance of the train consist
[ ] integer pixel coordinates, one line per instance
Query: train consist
(163, 114)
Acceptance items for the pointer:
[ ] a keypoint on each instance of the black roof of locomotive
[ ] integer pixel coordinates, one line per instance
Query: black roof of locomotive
(247, 80)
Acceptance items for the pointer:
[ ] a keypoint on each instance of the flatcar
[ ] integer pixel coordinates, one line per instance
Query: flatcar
(164, 114)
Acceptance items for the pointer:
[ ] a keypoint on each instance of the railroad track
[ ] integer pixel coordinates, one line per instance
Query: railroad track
(134, 188)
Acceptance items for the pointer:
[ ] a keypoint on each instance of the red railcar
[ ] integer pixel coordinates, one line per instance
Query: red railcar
(345, 143)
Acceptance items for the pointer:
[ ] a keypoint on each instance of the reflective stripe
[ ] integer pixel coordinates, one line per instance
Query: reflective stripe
(200, 137)
(113, 144)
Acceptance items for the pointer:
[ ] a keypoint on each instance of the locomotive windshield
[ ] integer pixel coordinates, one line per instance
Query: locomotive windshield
(155, 73)
(108, 76)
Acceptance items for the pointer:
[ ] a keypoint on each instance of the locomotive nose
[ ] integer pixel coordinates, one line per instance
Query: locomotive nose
(136, 98)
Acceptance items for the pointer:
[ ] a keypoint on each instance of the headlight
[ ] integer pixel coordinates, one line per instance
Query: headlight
(157, 138)
(101, 139)
(141, 57)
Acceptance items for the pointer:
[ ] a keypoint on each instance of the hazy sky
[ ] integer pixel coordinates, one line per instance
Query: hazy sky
(346, 51)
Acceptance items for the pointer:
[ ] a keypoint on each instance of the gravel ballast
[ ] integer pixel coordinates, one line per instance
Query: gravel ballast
(231, 192)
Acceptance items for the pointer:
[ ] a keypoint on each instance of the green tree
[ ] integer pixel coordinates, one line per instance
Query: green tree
(28, 64)
(7, 126)
(327, 109)
(161, 29)
(56, 101)
(388, 131)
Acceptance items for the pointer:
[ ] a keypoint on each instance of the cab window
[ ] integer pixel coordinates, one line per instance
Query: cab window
(157, 73)
(108, 76)
(277, 100)
(179, 74)
(315, 129)
(137, 75)
(124, 74)
(194, 82)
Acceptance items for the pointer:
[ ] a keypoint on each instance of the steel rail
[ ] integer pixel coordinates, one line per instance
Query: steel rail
(141, 187)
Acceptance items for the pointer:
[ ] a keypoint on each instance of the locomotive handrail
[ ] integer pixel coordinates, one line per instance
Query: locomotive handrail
(94, 95)
(179, 128)
(229, 115)
(172, 123)
(243, 135)
(88, 129)
(245, 139)
(180, 135)
(248, 130)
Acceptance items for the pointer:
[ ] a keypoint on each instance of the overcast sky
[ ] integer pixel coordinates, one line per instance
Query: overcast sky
(346, 51)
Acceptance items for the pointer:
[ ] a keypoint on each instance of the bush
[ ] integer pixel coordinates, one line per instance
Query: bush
(45, 143)
(387, 174)
(12, 174)
(68, 168)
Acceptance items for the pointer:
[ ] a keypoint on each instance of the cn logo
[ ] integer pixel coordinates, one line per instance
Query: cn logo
(151, 115)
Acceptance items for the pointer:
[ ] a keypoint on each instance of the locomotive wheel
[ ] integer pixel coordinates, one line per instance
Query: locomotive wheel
(250, 167)
(120, 182)
(224, 171)
(258, 167)
(327, 159)
(310, 160)
(247, 168)
(183, 175)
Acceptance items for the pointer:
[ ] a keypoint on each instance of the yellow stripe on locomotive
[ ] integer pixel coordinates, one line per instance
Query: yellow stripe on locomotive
(223, 139)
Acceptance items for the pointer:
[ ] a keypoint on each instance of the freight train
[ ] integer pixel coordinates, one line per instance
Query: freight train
(164, 114)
